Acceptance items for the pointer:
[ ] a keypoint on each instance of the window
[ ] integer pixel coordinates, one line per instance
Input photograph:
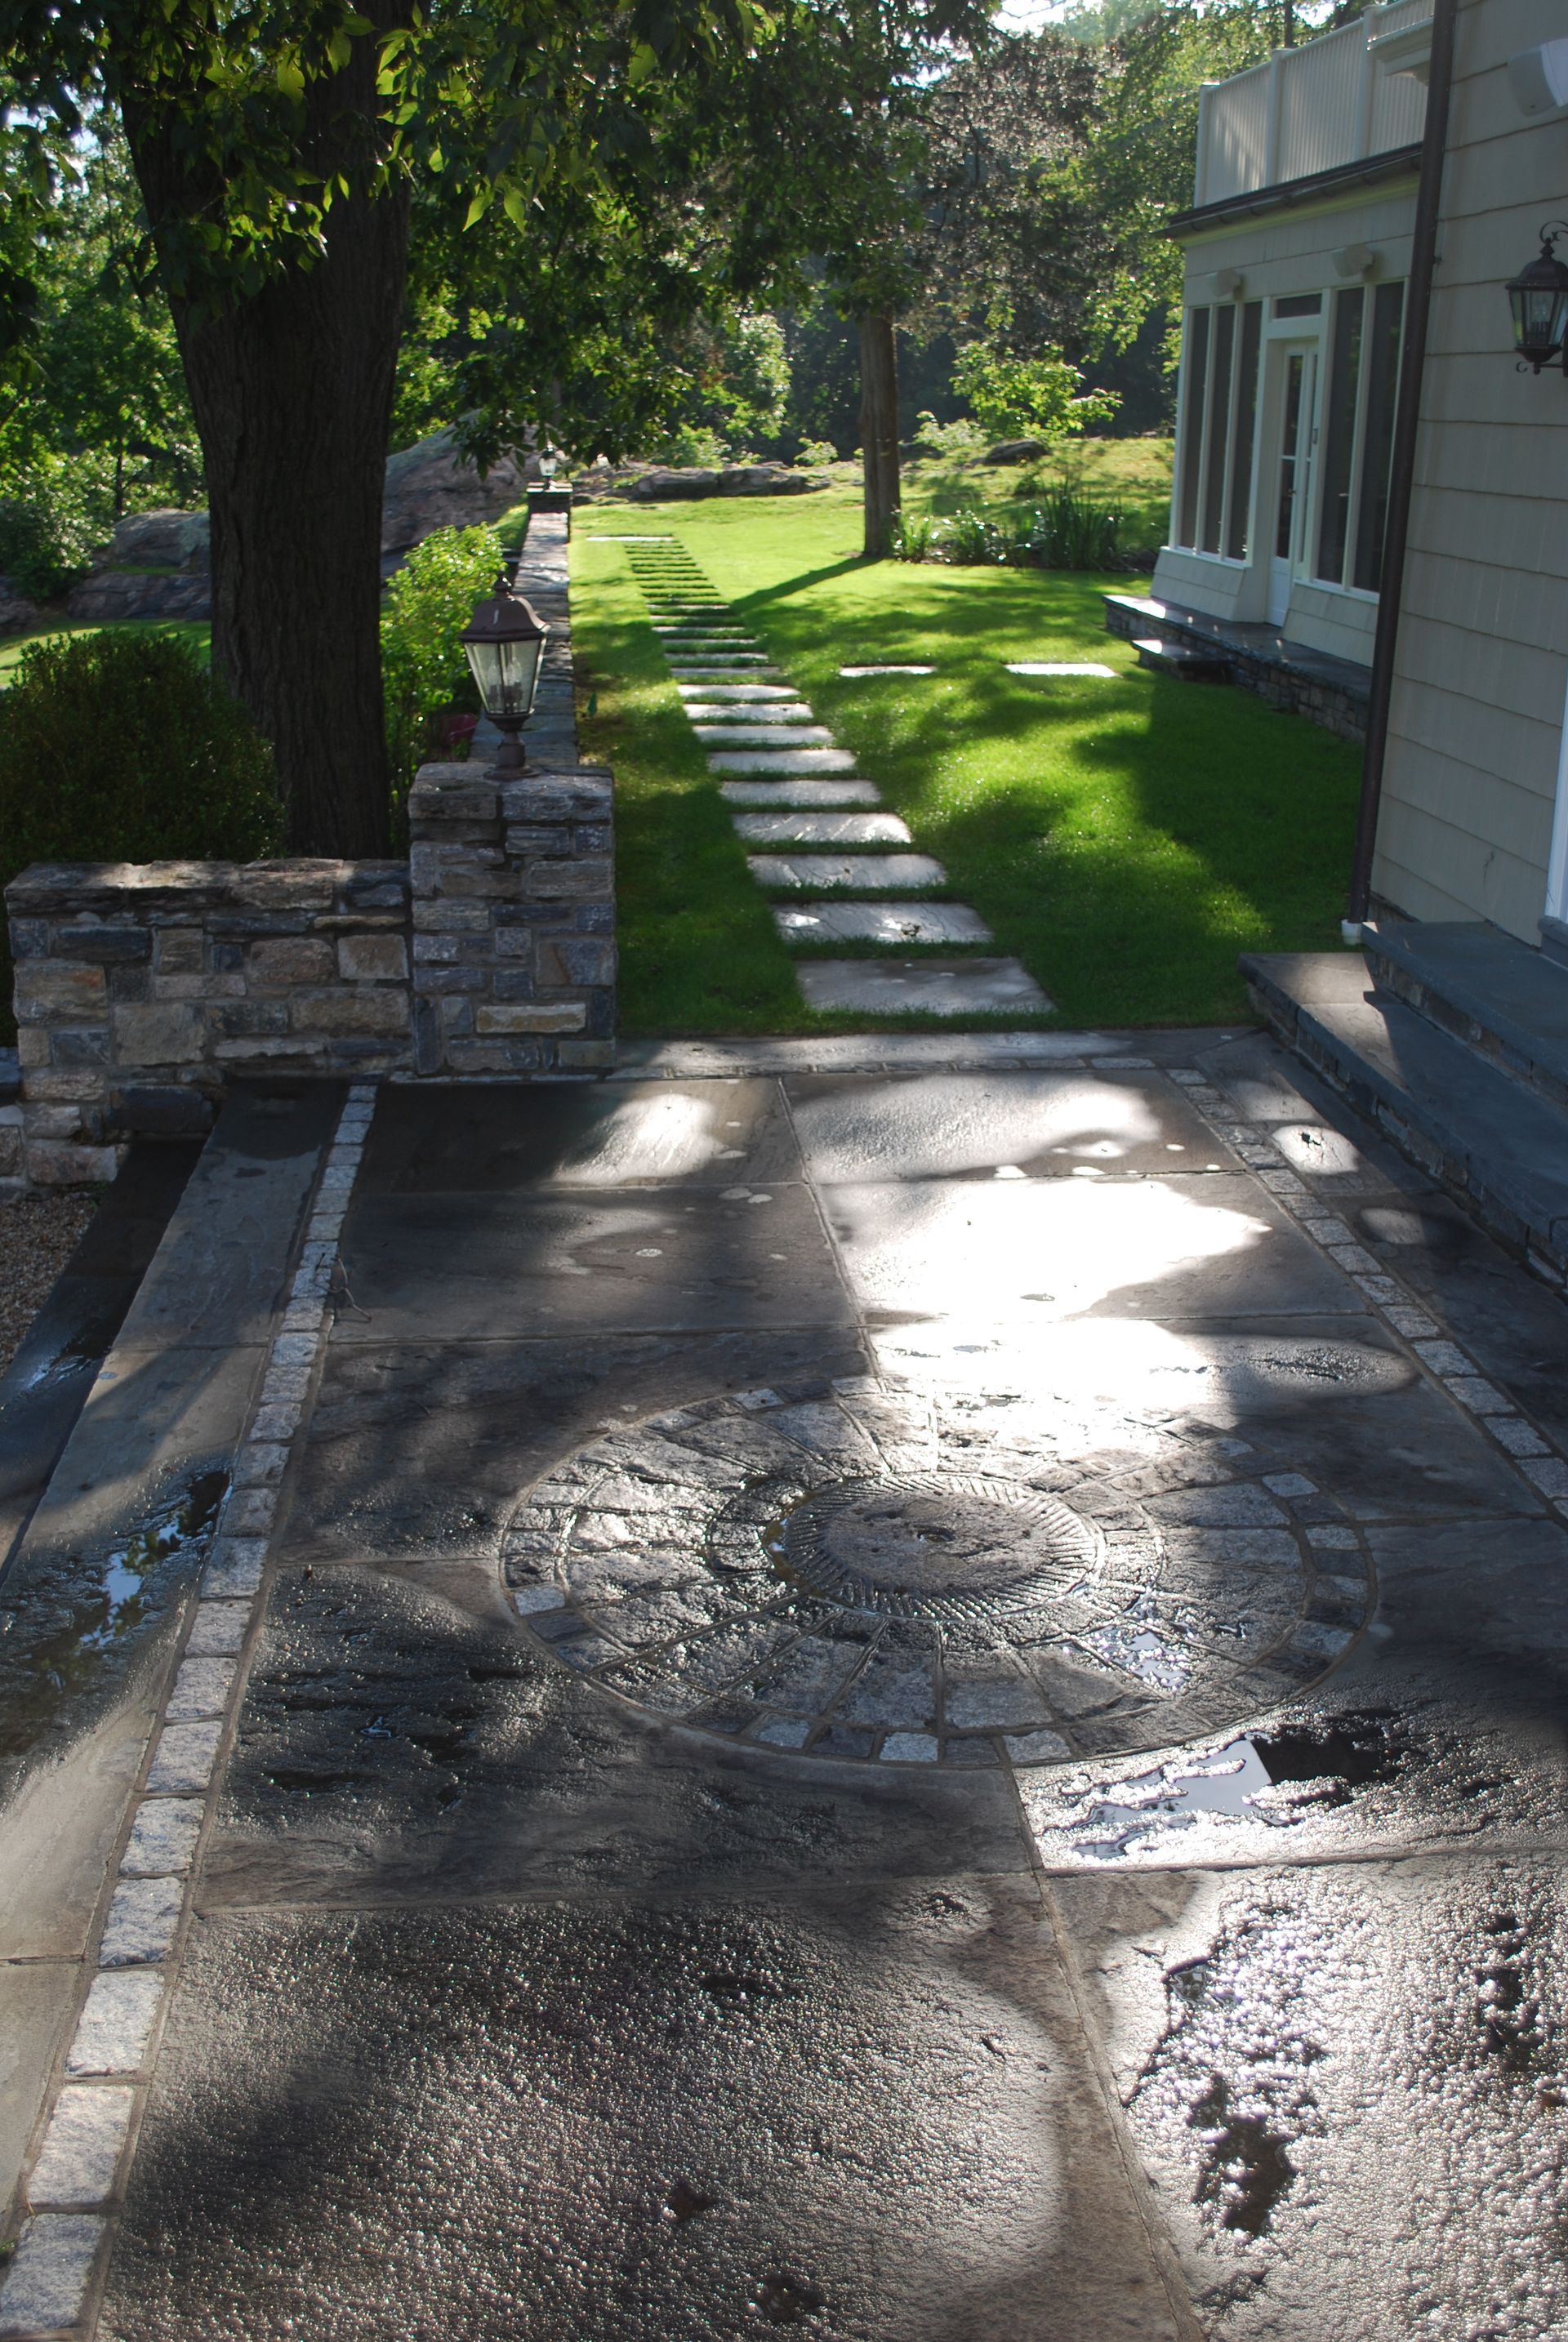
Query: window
(1300, 304)
(1358, 438)
(1218, 414)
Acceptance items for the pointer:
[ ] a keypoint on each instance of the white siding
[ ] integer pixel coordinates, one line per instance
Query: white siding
(1482, 658)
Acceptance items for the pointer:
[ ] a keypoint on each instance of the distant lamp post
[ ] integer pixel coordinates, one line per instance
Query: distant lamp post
(505, 640)
(549, 465)
(1538, 298)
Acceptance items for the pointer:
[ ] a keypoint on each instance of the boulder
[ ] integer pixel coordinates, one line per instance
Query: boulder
(766, 480)
(142, 594)
(18, 616)
(1014, 451)
(160, 540)
(430, 486)
(665, 484)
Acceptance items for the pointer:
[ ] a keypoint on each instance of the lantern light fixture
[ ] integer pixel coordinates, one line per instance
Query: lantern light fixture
(505, 641)
(1538, 298)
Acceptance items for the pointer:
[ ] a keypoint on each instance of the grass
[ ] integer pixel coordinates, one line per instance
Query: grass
(1127, 839)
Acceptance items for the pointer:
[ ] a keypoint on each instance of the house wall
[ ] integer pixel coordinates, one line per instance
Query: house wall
(1482, 665)
(1277, 253)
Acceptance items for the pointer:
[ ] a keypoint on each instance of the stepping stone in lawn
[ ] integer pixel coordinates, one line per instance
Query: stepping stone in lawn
(1053, 667)
(800, 793)
(739, 692)
(854, 673)
(688, 658)
(845, 870)
(767, 735)
(690, 672)
(781, 761)
(783, 711)
(894, 925)
(936, 987)
(822, 829)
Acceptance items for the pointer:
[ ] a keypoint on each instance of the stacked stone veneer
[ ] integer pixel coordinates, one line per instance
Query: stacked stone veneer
(143, 989)
(513, 918)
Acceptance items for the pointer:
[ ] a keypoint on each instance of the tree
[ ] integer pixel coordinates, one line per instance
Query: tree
(277, 149)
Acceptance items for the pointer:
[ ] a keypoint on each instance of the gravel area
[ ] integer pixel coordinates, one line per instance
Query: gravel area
(38, 1234)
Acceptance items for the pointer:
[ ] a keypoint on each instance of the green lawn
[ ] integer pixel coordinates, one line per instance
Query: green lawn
(1126, 838)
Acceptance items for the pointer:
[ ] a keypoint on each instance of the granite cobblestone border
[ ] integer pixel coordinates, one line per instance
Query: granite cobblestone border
(73, 2185)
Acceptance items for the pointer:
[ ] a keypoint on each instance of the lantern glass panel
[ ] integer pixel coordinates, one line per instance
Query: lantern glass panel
(506, 674)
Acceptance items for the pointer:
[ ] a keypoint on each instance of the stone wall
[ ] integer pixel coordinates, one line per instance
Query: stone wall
(142, 989)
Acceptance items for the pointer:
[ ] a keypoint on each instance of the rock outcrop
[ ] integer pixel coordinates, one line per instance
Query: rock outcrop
(18, 614)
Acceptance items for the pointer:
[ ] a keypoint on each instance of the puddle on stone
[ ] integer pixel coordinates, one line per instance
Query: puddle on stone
(1238, 1781)
(1132, 1644)
(1246, 2162)
(62, 1629)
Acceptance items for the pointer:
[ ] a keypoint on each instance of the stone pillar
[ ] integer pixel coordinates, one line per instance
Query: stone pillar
(513, 916)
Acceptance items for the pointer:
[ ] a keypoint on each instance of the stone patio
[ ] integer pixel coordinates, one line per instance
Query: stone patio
(840, 1686)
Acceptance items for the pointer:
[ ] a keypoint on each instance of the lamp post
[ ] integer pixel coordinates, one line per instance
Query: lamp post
(505, 640)
(1538, 296)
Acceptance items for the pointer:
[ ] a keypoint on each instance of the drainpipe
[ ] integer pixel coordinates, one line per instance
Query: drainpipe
(1401, 463)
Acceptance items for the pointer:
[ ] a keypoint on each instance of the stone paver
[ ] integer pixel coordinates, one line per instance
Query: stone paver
(893, 925)
(1060, 668)
(783, 710)
(774, 734)
(781, 761)
(798, 872)
(845, 792)
(957, 987)
(820, 829)
(736, 691)
(857, 674)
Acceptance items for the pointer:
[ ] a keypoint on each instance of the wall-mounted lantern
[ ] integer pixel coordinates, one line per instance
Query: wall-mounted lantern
(1538, 298)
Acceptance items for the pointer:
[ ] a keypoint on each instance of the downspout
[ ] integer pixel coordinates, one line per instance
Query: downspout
(1402, 463)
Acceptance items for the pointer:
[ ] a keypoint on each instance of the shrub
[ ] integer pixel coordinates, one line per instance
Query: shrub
(1069, 531)
(120, 747)
(818, 451)
(51, 522)
(424, 672)
(693, 444)
(963, 437)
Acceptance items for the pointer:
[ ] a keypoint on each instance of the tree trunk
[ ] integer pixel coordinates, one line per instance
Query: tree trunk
(879, 431)
(292, 391)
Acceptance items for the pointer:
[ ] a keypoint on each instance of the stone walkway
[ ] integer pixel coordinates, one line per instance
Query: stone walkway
(921, 1704)
(801, 808)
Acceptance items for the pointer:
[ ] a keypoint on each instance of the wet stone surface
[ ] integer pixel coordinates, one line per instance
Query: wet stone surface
(836, 1578)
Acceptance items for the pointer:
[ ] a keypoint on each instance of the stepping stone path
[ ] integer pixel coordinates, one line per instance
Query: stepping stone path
(798, 800)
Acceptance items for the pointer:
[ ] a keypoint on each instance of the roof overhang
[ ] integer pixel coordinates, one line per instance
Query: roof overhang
(1399, 163)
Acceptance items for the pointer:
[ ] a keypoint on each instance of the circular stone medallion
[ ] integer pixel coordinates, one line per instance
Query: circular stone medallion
(921, 1548)
(856, 1574)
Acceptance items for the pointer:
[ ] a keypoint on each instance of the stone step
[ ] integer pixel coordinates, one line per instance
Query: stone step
(767, 735)
(783, 711)
(1497, 1144)
(781, 762)
(933, 987)
(1497, 995)
(856, 674)
(740, 693)
(895, 925)
(801, 793)
(892, 871)
(1192, 666)
(822, 829)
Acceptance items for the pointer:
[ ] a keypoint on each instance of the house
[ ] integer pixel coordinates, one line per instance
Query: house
(1370, 523)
